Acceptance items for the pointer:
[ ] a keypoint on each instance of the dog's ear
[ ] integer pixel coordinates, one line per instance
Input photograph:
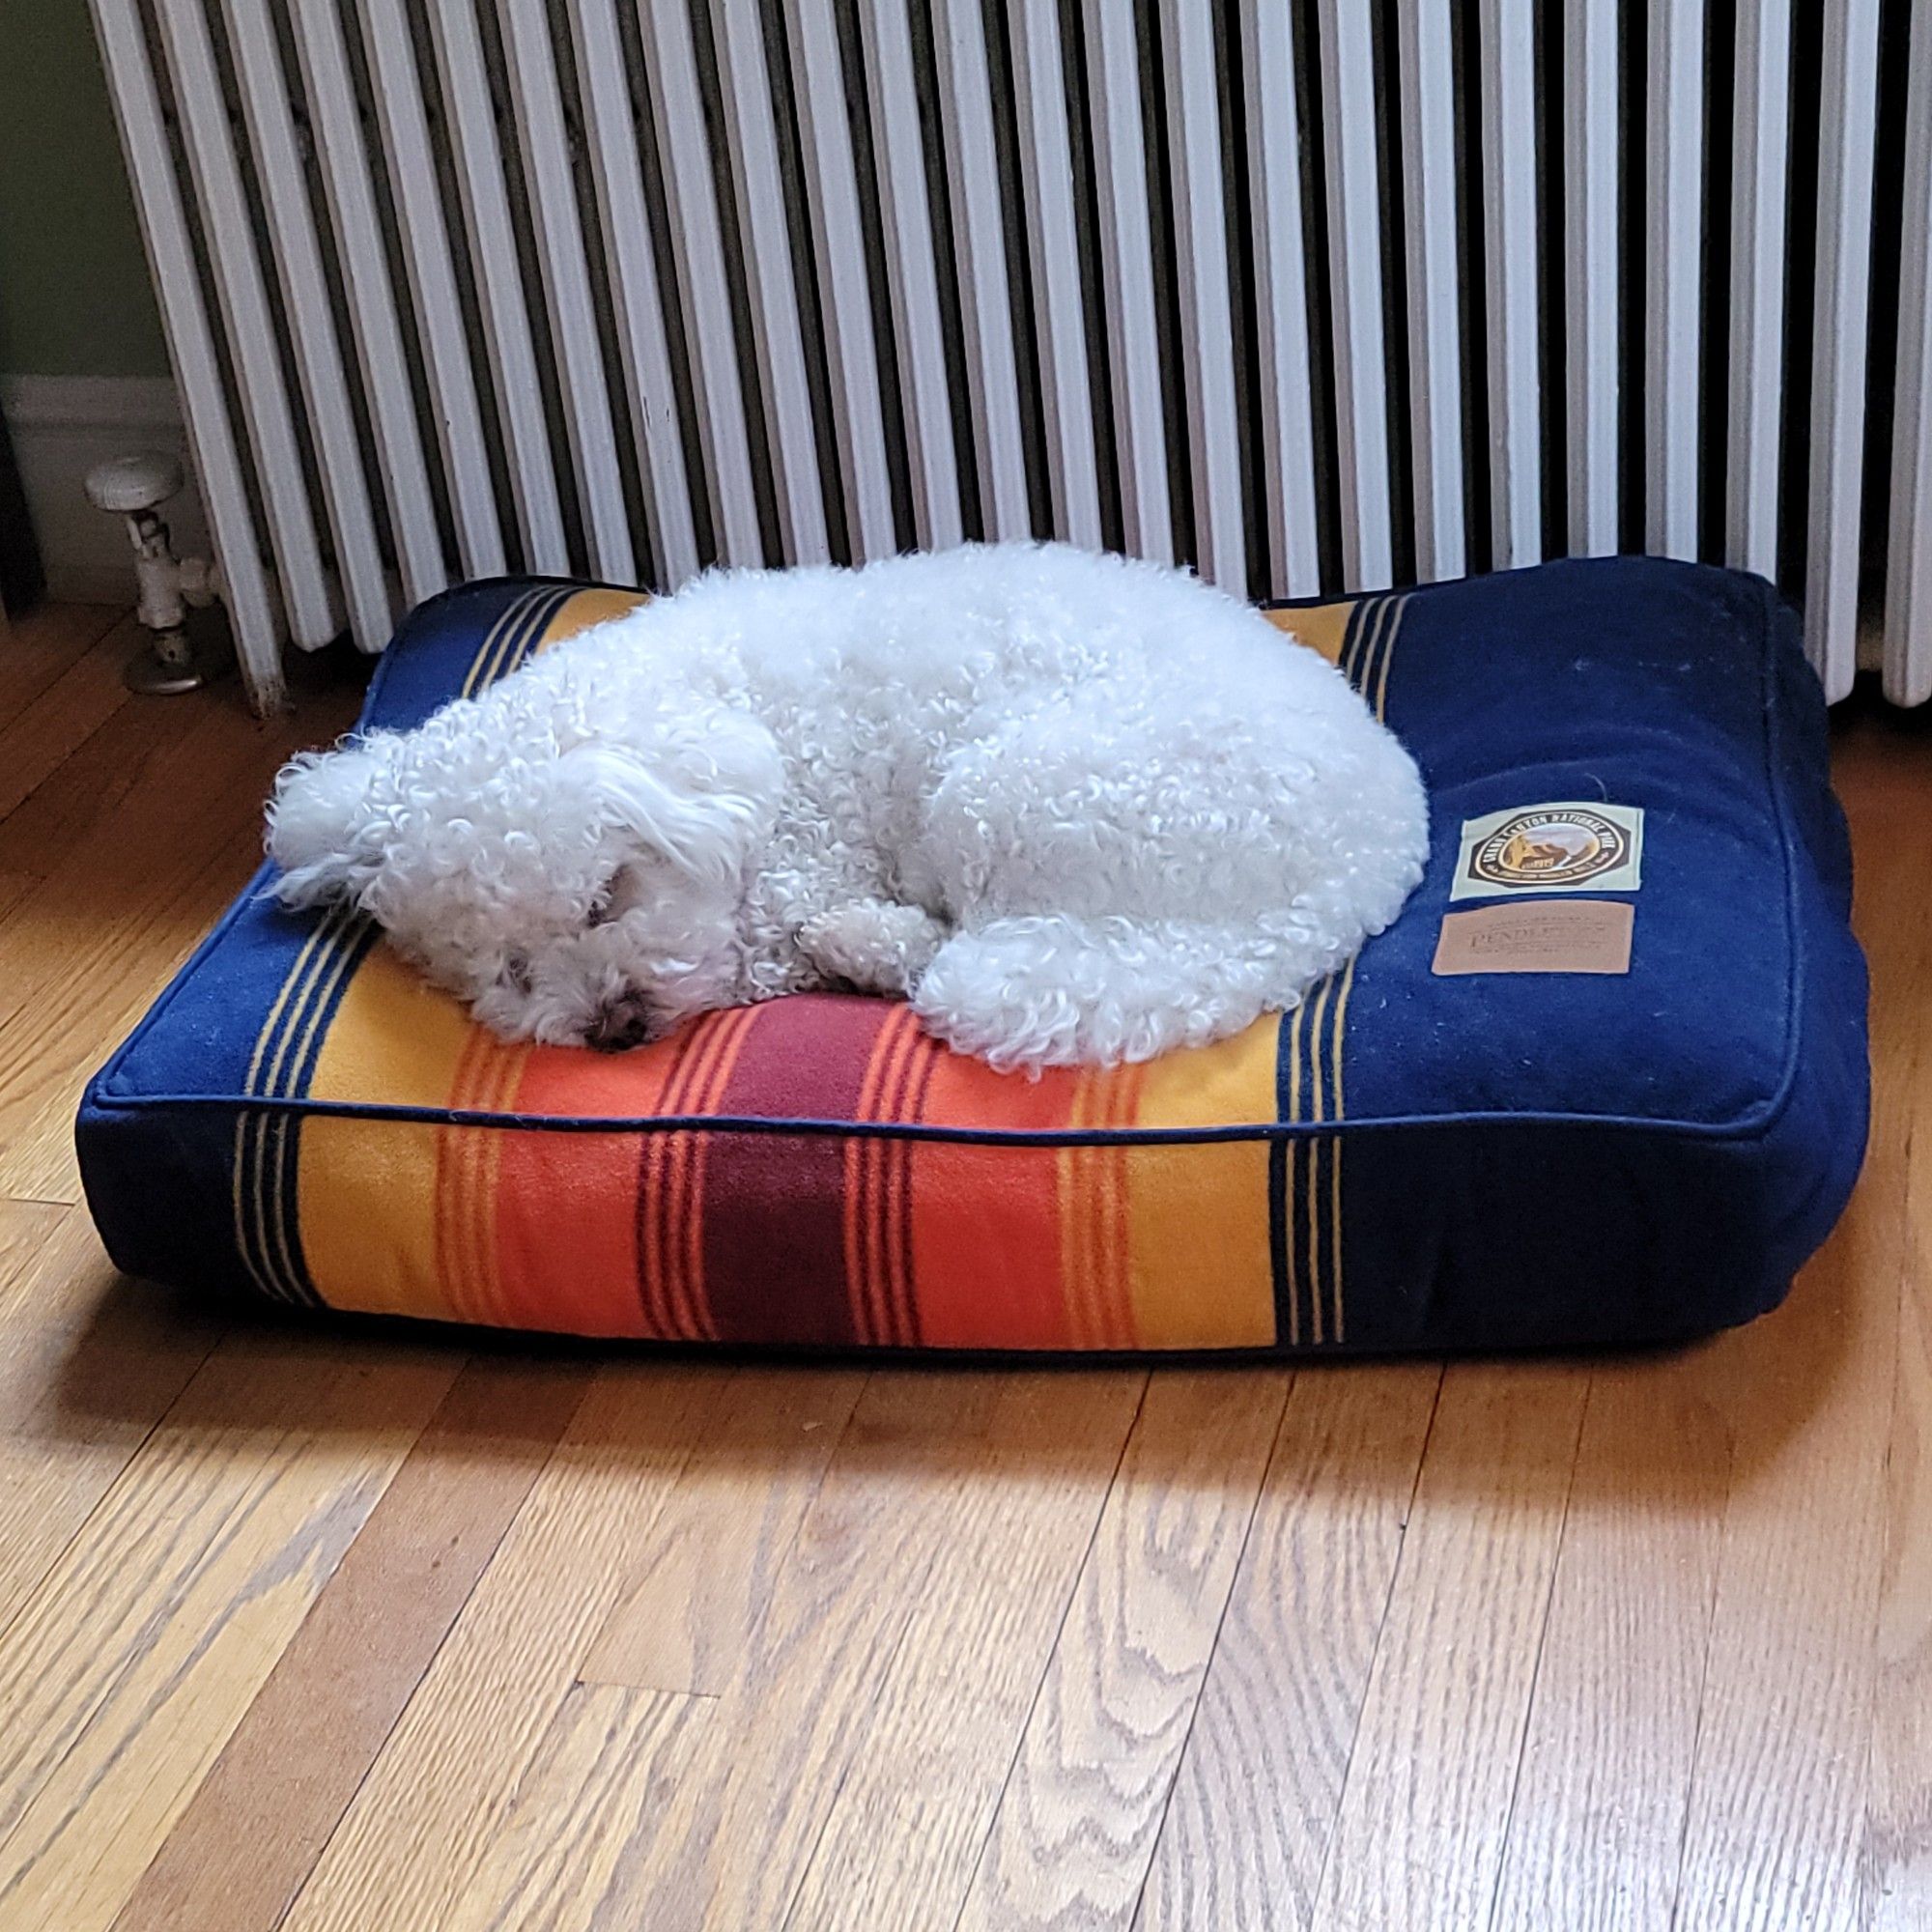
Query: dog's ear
(702, 803)
(325, 831)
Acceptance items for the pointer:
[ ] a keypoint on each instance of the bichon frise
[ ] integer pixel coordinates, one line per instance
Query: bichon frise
(1076, 809)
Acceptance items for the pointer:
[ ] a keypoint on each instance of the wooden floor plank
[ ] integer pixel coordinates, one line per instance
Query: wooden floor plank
(900, 1837)
(39, 736)
(89, 1364)
(143, 841)
(928, 1461)
(1075, 1826)
(24, 1229)
(415, 1833)
(1886, 802)
(1254, 1801)
(1786, 1778)
(1899, 1829)
(137, 1656)
(569, 1855)
(1420, 1828)
(1775, 1837)
(689, 1621)
(251, 1834)
(41, 645)
(1597, 1826)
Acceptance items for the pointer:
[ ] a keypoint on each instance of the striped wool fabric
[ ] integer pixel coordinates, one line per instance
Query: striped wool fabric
(1412, 1160)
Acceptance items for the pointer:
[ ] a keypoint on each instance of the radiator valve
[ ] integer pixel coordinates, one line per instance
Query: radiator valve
(135, 488)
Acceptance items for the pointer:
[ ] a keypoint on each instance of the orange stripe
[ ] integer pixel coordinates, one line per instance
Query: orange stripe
(567, 1218)
(861, 1268)
(1119, 1277)
(868, 1172)
(672, 1153)
(901, 1284)
(683, 1250)
(505, 1069)
(731, 1031)
(660, 1167)
(1076, 1197)
(985, 1221)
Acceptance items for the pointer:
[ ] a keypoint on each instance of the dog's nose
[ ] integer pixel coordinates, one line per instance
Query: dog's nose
(623, 1024)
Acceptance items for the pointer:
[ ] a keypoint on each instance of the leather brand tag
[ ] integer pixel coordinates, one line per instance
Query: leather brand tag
(1554, 936)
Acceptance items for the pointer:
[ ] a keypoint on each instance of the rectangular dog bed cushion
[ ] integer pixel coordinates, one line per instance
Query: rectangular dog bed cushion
(1604, 1082)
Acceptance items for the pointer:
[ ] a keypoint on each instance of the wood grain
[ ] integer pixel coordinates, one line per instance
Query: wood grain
(1075, 1826)
(137, 1656)
(24, 1227)
(1775, 1835)
(1887, 805)
(418, 1829)
(1596, 1824)
(39, 734)
(569, 1855)
(931, 1509)
(1782, 1829)
(43, 643)
(1899, 1828)
(139, 842)
(910, 1813)
(89, 1363)
(1261, 1776)
(245, 1842)
(1420, 1830)
(689, 1620)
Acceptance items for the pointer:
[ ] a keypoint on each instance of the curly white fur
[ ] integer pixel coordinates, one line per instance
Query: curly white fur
(1079, 809)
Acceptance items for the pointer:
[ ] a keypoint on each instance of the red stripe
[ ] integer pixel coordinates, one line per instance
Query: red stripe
(775, 1265)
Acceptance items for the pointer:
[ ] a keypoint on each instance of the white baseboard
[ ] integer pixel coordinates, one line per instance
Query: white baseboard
(60, 427)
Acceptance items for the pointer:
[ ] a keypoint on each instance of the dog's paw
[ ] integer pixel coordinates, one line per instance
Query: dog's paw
(872, 945)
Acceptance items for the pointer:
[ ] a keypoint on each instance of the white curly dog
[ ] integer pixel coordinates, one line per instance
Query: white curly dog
(1076, 809)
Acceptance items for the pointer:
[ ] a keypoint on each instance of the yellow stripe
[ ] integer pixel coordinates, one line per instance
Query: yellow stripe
(244, 1245)
(1367, 640)
(367, 1201)
(1322, 627)
(1317, 1103)
(1376, 665)
(308, 1014)
(583, 608)
(296, 972)
(1292, 1190)
(1201, 1270)
(253, 1132)
(1335, 1155)
(1388, 656)
(491, 651)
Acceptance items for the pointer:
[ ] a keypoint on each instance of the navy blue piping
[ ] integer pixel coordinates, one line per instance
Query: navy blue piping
(1745, 1127)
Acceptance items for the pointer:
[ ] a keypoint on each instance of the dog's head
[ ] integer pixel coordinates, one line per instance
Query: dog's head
(571, 889)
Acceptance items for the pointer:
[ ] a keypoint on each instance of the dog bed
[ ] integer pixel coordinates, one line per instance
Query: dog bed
(1604, 1082)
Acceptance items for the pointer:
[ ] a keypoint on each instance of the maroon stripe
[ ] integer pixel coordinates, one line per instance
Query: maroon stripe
(774, 1248)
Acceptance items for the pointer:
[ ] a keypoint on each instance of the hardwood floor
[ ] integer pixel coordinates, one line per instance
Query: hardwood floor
(345, 1633)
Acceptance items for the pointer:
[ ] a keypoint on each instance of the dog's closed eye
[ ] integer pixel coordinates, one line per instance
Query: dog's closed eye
(600, 913)
(517, 972)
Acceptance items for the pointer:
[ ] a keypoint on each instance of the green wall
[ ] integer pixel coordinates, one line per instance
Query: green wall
(73, 282)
